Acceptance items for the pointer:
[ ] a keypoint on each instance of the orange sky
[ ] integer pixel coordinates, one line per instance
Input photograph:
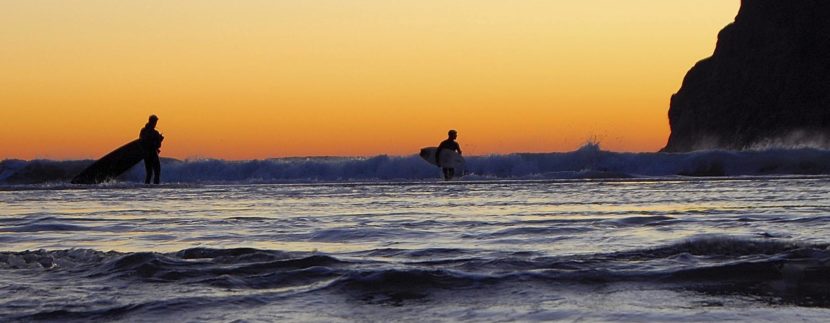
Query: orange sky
(271, 78)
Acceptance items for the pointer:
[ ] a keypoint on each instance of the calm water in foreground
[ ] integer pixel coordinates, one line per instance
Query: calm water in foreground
(672, 249)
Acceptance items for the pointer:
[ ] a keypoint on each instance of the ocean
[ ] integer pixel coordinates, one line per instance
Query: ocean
(597, 244)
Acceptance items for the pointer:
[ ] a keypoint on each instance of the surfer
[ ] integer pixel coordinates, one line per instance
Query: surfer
(451, 145)
(151, 147)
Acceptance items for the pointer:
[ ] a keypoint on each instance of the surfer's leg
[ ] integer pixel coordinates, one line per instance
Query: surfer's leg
(451, 173)
(156, 169)
(148, 169)
(446, 172)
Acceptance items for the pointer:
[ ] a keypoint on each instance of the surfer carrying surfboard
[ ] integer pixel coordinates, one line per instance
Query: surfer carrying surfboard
(150, 140)
(450, 145)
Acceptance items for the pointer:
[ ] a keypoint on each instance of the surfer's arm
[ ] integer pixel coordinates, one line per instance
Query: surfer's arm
(159, 139)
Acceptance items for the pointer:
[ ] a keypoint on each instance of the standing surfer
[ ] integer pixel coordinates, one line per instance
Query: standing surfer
(451, 145)
(151, 146)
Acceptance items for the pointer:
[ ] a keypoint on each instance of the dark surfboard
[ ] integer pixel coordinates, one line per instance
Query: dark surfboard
(113, 164)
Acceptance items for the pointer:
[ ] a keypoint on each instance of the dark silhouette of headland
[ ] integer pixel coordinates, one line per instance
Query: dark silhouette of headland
(767, 83)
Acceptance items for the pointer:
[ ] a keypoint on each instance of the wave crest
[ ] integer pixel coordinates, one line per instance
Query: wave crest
(587, 162)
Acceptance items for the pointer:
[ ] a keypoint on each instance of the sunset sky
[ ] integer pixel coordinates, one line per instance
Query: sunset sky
(271, 78)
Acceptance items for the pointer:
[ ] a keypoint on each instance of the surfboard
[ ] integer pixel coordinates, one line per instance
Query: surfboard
(449, 159)
(111, 165)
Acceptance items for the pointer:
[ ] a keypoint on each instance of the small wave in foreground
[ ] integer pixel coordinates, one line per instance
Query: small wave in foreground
(778, 272)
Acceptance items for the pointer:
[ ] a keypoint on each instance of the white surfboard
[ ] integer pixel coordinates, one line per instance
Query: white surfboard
(449, 159)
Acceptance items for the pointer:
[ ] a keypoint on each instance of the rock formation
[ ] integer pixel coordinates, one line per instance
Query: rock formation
(768, 82)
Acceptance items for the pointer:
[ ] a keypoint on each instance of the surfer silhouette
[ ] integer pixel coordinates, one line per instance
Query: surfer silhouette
(150, 140)
(451, 145)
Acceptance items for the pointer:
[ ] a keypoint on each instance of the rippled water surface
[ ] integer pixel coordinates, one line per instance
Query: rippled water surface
(669, 249)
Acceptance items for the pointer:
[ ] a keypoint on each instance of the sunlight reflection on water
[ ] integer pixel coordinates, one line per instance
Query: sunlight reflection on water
(552, 217)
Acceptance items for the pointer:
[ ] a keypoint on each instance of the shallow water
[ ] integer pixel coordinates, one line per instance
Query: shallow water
(645, 250)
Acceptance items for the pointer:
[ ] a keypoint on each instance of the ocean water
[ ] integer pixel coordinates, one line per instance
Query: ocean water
(670, 248)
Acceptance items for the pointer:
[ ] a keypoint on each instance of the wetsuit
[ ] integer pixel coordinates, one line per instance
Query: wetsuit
(150, 144)
(448, 144)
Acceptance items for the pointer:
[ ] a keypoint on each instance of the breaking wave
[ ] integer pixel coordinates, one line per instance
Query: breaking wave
(587, 162)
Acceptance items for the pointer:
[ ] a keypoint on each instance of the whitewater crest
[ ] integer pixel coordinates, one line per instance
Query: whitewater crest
(590, 161)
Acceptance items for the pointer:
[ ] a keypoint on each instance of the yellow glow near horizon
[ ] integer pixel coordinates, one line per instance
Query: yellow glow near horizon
(257, 79)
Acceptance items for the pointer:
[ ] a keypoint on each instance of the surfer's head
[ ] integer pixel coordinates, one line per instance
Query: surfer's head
(153, 120)
(452, 134)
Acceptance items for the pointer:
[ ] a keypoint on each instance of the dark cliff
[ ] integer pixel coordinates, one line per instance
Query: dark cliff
(768, 82)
